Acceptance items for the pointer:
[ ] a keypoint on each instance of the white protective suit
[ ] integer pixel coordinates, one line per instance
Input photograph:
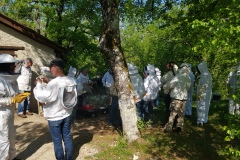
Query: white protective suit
(8, 89)
(151, 83)
(232, 82)
(166, 78)
(107, 79)
(204, 93)
(180, 84)
(136, 81)
(188, 108)
(158, 74)
(55, 102)
(84, 80)
(72, 73)
(24, 80)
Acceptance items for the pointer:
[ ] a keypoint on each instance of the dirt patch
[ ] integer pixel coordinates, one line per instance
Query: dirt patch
(33, 140)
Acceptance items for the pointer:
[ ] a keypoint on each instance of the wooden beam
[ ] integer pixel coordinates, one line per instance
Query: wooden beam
(12, 48)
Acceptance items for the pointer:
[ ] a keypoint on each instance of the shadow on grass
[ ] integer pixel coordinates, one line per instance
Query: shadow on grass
(196, 143)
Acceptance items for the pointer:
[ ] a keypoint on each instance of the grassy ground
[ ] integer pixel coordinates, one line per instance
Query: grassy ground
(194, 143)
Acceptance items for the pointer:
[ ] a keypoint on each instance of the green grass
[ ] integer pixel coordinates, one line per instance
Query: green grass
(193, 143)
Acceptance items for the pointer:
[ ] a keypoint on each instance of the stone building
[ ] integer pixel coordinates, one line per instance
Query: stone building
(22, 42)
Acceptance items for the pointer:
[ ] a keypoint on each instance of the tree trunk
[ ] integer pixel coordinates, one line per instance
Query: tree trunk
(110, 46)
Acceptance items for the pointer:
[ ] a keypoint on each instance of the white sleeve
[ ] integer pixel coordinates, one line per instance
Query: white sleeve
(104, 79)
(46, 94)
(173, 82)
(5, 101)
(109, 80)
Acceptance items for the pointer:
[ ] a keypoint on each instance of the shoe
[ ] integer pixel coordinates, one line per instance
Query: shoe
(177, 130)
(22, 115)
(17, 159)
(29, 113)
(166, 130)
(200, 124)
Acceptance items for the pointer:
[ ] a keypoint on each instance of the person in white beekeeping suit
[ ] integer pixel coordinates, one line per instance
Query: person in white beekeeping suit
(8, 96)
(138, 87)
(151, 85)
(232, 82)
(188, 108)
(87, 84)
(204, 93)
(179, 87)
(72, 73)
(158, 74)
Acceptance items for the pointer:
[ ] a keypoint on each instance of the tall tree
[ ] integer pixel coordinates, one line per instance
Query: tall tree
(110, 46)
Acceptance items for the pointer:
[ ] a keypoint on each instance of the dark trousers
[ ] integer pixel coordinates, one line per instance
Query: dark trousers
(114, 113)
(147, 110)
(167, 101)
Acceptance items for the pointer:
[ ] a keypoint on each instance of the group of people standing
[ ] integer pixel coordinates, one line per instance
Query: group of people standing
(60, 95)
(178, 88)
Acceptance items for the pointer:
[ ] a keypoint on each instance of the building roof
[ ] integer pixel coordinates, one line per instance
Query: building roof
(60, 51)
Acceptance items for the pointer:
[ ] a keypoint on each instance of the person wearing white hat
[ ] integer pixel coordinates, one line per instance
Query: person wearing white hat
(8, 96)
(204, 93)
(138, 87)
(151, 85)
(233, 86)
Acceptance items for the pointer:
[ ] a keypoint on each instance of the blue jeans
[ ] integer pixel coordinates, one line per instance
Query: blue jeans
(139, 110)
(24, 105)
(156, 101)
(60, 131)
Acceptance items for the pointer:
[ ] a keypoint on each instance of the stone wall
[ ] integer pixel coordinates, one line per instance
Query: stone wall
(40, 53)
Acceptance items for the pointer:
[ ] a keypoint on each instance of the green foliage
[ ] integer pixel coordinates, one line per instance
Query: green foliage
(120, 151)
(75, 25)
(233, 135)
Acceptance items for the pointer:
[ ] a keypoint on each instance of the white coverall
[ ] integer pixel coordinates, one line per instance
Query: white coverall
(72, 73)
(84, 80)
(166, 78)
(137, 82)
(204, 93)
(188, 108)
(232, 83)
(158, 74)
(7, 128)
(151, 83)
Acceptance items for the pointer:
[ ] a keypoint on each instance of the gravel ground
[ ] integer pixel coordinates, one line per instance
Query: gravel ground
(33, 141)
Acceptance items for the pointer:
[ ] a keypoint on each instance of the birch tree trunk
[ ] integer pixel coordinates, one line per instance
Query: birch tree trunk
(110, 46)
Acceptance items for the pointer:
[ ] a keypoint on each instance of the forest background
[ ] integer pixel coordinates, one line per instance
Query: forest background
(152, 32)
